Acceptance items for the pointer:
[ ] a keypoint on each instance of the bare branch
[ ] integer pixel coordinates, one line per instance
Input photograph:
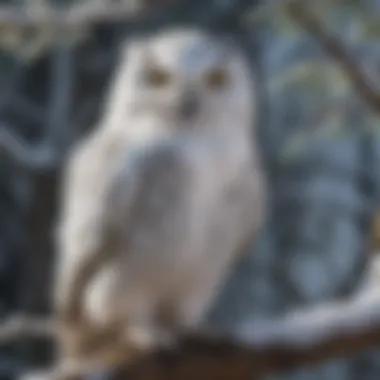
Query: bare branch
(302, 338)
(335, 50)
(58, 136)
(21, 327)
(79, 15)
(28, 156)
(99, 12)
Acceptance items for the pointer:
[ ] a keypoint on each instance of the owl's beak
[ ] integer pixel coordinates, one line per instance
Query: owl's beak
(189, 105)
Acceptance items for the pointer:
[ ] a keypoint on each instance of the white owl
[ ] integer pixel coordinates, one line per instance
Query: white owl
(167, 191)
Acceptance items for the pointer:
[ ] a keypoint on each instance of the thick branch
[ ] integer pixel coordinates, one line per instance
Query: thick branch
(335, 50)
(305, 338)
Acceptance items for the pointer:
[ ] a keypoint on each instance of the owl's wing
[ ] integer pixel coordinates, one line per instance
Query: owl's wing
(82, 235)
(158, 173)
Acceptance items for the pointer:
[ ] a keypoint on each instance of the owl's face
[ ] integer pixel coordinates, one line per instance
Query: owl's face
(188, 79)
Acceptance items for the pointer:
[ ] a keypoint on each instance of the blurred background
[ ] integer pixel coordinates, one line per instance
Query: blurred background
(320, 140)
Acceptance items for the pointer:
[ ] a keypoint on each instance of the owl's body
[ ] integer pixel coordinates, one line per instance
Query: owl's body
(168, 188)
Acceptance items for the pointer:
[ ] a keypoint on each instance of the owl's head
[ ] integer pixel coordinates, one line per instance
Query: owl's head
(187, 79)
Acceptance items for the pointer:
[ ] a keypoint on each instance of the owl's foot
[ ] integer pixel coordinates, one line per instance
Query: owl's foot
(148, 338)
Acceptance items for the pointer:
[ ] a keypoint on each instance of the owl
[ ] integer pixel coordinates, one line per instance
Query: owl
(164, 195)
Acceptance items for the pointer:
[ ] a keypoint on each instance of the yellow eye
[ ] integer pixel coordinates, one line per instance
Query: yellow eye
(158, 77)
(216, 78)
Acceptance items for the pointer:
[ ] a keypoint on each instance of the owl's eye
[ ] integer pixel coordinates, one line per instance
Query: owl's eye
(157, 78)
(216, 78)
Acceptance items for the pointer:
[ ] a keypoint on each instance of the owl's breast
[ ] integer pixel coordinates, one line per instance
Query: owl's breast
(238, 214)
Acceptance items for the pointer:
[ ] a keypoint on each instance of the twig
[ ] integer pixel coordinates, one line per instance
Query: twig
(21, 327)
(79, 15)
(59, 133)
(36, 157)
(47, 153)
(130, 11)
(335, 50)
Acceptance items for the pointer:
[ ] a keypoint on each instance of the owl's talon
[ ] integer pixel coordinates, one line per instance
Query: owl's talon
(148, 338)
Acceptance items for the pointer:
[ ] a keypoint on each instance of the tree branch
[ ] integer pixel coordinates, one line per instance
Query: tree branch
(134, 12)
(79, 15)
(336, 51)
(12, 146)
(58, 134)
(301, 338)
(21, 327)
